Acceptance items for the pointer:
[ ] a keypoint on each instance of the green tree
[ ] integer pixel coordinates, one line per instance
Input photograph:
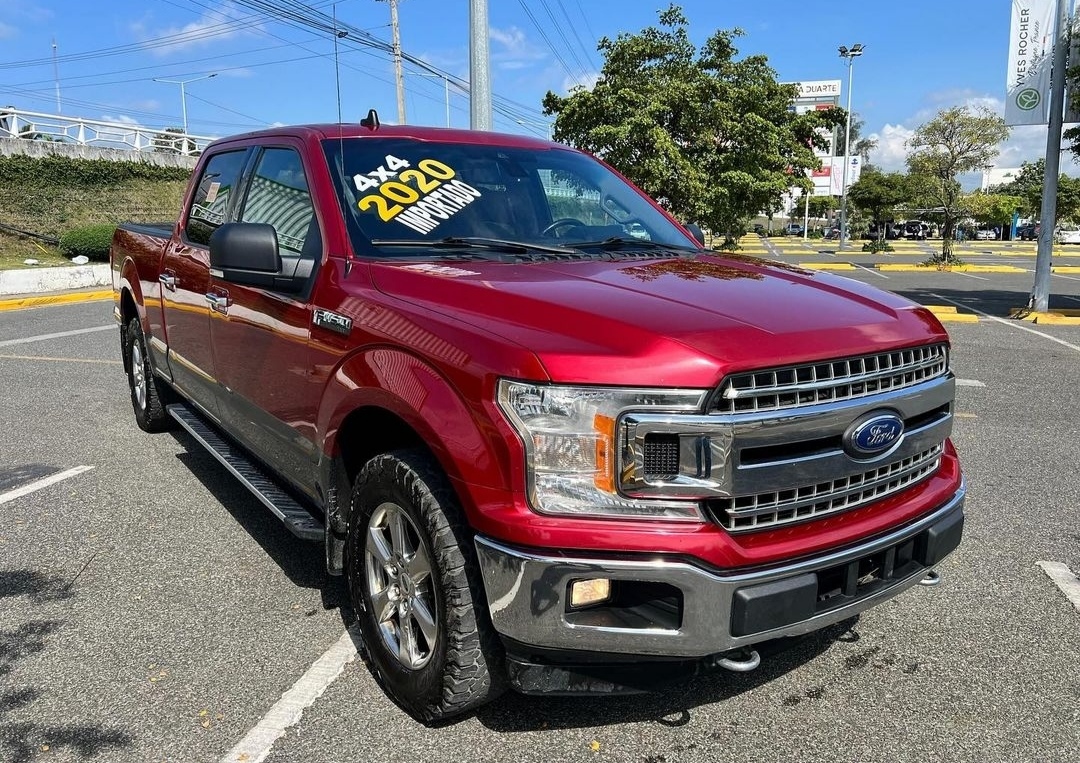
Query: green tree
(878, 194)
(708, 135)
(956, 141)
(992, 208)
(170, 142)
(1028, 185)
(820, 206)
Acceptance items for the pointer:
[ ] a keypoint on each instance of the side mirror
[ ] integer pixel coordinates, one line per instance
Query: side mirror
(695, 230)
(245, 246)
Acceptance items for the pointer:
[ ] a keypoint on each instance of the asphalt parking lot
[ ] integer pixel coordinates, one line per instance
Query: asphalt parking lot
(152, 610)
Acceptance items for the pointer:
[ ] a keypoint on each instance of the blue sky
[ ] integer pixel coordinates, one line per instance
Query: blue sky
(920, 56)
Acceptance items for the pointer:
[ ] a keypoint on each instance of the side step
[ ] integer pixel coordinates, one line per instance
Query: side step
(253, 476)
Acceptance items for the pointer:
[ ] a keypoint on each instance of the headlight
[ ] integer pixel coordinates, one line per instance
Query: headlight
(570, 448)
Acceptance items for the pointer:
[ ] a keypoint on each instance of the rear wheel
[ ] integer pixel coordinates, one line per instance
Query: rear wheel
(414, 582)
(149, 394)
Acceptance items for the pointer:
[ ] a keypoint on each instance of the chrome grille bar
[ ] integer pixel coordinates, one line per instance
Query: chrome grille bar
(830, 381)
(764, 510)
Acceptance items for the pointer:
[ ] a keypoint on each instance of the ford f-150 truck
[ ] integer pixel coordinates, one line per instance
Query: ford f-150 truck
(541, 430)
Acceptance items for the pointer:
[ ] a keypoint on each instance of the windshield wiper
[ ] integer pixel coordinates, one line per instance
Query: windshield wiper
(621, 242)
(474, 242)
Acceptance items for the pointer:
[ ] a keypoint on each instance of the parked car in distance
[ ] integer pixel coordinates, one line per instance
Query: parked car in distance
(987, 234)
(759, 228)
(1068, 234)
(1028, 232)
(793, 229)
(916, 230)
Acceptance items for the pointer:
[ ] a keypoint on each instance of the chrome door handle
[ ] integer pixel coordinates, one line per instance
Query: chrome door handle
(218, 302)
(168, 280)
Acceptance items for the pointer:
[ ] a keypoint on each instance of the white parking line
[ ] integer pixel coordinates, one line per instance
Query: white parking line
(969, 275)
(58, 335)
(869, 270)
(969, 383)
(256, 745)
(1065, 580)
(52, 479)
(1011, 324)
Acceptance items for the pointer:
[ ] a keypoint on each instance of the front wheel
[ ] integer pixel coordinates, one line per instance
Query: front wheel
(414, 582)
(149, 394)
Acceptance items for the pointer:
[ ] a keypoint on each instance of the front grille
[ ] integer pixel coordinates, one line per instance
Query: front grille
(845, 379)
(764, 510)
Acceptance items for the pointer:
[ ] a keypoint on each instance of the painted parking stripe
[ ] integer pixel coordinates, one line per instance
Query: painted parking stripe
(1064, 579)
(286, 712)
(1009, 323)
(969, 383)
(57, 335)
(36, 485)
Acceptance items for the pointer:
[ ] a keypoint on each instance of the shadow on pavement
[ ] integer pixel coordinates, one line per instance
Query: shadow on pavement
(671, 705)
(303, 562)
(24, 740)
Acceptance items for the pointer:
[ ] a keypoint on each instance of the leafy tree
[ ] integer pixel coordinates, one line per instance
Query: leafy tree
(820, 206)
(878, 194)
(992, 208)
(169, 142)
(708, 135)
(1028, 185)
(956, 141)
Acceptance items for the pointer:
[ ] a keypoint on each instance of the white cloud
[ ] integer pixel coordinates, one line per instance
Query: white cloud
(512, 49)
(210, 28)
(1025, 144)
(891, 152)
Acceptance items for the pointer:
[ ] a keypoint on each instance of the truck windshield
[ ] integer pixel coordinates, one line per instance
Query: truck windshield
(397, 191)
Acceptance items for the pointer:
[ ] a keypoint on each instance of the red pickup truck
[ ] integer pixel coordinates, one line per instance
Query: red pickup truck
(546, 436)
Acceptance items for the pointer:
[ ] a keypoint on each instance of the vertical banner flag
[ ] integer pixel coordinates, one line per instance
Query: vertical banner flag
(1031, 41)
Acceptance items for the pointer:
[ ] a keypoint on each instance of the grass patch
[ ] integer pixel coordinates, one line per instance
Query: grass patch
(50, 208)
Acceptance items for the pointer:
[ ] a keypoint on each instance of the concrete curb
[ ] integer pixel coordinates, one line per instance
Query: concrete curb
(36, 280)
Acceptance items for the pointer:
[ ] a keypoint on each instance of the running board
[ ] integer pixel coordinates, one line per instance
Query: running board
(254, 477)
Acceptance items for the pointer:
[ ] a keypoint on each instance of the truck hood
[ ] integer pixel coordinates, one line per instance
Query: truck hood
(679, 322)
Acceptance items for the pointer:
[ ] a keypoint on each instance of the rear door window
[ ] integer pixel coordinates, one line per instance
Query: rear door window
(210, 205)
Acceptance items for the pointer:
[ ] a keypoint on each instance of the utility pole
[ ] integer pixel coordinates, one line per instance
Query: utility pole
(479, 70)
(56, 76)
(1040, 294)
(399, 78)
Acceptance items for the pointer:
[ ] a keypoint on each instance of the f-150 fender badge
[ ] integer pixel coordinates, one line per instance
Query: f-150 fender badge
(332, 321)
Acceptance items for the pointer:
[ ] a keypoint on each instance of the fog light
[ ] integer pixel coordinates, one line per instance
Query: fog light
(585, 592)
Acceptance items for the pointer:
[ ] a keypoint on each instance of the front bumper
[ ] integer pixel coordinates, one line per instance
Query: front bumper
(674, 609)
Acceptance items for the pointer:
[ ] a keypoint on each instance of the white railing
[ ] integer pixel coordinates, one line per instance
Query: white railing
(30, 125)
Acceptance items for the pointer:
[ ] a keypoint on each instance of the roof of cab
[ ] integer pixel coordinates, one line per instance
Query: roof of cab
(416, 132)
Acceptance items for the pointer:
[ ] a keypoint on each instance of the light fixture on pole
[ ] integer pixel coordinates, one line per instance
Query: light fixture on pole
(183, 93)
(850, 54)
(545, 126)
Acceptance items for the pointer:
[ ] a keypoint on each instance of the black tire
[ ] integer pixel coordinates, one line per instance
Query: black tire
(464, 666)
(149, 394)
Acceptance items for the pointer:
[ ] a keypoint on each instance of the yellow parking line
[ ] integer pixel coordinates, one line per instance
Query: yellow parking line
(1065, 269)
(827, 265)
(45, 300)
(1050, 318)
(914, 268)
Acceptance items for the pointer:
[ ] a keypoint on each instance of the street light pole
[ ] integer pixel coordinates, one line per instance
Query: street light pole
(446, 91)
(850, 54)
(183, 93)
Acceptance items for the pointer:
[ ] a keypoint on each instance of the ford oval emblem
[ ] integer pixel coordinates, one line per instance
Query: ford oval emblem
(873, 434)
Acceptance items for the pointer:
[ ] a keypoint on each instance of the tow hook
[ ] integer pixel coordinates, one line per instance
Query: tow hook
(739, 660)
(932, 579)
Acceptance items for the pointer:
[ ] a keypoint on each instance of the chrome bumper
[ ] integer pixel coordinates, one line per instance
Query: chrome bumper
(705, 613)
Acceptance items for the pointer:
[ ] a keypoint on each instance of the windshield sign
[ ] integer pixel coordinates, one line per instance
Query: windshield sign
(404, 190)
